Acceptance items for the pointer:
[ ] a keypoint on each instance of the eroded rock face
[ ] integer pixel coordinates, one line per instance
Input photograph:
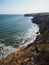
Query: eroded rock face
(43, 21)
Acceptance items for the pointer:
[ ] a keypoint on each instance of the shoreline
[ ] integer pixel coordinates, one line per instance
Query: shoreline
(39, 49)
(29, 34)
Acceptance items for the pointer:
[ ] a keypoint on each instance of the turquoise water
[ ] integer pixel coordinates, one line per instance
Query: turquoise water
(15, 30)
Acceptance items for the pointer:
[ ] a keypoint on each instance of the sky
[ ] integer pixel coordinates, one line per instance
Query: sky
(23, 6)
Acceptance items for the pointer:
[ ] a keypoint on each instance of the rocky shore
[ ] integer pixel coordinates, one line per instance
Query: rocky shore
(36, 53)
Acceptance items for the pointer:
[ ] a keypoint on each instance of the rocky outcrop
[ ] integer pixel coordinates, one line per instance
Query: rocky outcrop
(43, 22)
(36, 53)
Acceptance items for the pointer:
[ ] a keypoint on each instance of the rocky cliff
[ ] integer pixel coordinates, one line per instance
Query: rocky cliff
(43, 22)
(36, 53)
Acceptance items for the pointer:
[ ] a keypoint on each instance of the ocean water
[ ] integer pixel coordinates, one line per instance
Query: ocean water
(15, 31)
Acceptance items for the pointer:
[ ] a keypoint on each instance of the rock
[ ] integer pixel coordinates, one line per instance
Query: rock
(27, 59)
(35, 49)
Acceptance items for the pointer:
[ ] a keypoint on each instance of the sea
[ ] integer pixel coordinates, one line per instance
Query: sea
(15, 31)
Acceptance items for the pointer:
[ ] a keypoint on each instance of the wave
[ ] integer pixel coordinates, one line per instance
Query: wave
(31, 35)
(5, 50)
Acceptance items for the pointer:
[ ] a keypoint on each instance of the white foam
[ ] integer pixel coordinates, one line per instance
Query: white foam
(5, 50)
(31, 35)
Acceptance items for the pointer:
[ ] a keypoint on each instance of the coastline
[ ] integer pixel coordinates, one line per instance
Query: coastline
(27, 54)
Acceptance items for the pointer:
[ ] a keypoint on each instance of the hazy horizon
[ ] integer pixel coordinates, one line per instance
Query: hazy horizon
(23, 6)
